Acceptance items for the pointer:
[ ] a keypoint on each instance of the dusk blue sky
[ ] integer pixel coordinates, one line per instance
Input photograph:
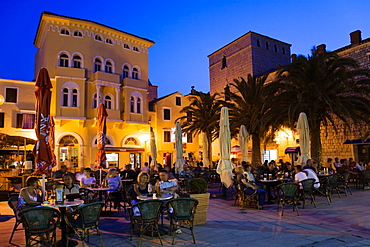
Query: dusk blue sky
(185, 32)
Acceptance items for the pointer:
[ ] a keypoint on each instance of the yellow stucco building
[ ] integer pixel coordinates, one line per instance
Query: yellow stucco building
(90, 63)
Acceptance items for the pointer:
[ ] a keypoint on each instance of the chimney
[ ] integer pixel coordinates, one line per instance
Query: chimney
(293, 57)
(321, 48)
(355, 37)
(193, 91)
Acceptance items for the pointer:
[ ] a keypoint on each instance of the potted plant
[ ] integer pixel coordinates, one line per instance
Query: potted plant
(198, 190)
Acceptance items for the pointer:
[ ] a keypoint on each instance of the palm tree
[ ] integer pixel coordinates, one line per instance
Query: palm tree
(202, 115)
(248, 107)
(328, 88)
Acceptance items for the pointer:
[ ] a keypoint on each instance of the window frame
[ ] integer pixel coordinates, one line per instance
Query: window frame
(101, 38)
(180, 100)
(124, 75)
(63, 60)
(65, 29)
(65, 95)
(108, 102)
(20, 122)
(167, 140)
(164, 114)
(135, 73)
(6, 95)
(2, 120)
(108, 68)
(95, 64)
(77, 60)
(79, 32)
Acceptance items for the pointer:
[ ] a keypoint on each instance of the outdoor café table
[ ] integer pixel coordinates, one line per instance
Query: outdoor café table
(162, 197)
(269, 185)
(62, 208)
(100, 191)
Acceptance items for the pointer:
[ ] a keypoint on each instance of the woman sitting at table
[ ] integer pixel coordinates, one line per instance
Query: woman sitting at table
(141, 187)
(31, 195)
(115, 185)
(250, 188)
(88, 180)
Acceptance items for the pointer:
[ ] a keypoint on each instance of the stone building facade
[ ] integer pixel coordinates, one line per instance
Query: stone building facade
(251, 53)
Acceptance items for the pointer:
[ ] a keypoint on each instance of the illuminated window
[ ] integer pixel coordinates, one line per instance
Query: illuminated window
(64, 31)
(108, 67)
(63, 60)
(74, 97)
(77, 61)
(65, 97)
(126, 71)
(98, 37)
(135, 73)
(25, 121)
(109, 41)
(97, 65)
(108, 102)
(131, 141)
(77, 33)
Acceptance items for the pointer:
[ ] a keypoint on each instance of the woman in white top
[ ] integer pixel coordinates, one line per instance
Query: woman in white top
(88, 180)
(30, 195)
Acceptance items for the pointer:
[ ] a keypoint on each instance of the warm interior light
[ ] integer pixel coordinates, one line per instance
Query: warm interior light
(1, 99)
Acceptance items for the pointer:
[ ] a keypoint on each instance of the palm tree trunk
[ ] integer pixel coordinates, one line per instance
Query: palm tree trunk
(315, 142)
(256, 150)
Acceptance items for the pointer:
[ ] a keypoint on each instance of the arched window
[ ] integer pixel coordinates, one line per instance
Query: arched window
(131, 141)
(64, 31)
(135, 73)
(108, 102)
(267, 46)
(258, 43)
(65, 96)
(283, 50)
(109, 41)
(74, 97)
(63, 60)
(108, 67)
(98, 37)
(138, 105)
(126, 46)
(132, 104)
(275, 48)
(97, 65)
(77, 61)
(126, 71)
(95, 101)
(135, 48)
(77, 33)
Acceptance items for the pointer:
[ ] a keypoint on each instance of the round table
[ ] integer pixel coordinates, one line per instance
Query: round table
(62, 208)
(163, 197)
(100, 190)
(269, 185)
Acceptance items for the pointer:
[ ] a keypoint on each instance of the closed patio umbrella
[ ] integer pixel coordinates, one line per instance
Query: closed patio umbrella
(206, 158)
(225, 166)
(153, 149)
(243, 142)
(304, 138)
(42, 150)
(179, 160)
(101, 158)
(52, 140)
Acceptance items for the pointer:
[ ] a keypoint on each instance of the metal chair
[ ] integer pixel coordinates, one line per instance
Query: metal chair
(243, 198)
(40, 222)
(344, 183)
(13, 204)
(333, 183)
(288, 195)
(148, 218)
(84, 219)
(307, 190)
(365, 178)
(182, 211)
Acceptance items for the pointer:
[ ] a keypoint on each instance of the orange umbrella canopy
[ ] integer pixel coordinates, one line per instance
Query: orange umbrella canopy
(101, 159)
(42, 150)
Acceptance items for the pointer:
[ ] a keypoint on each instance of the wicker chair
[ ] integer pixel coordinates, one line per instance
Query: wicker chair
(13, 204)
(85, 219)
(343, 183)
(307, 190)
(182, 215)
(288, 195)
(40, 222)
(87, 195)
(365, 178)
(148, 218)
(243, 198)
(333, 183)
(324, 189)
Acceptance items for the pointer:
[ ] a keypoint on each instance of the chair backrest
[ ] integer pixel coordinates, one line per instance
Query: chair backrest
(13, 204)
(149, 209)
(289, 189)
(39, 218)
(333, 179)
(183, 207)
(308, 184)
(90, 213)
(346, 177)
(366, 174)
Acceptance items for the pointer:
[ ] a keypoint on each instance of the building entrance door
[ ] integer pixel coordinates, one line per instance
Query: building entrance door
(68, 152)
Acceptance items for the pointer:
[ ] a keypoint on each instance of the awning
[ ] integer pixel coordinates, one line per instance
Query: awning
(11, 141)
(292, 150)
(357, 141)
(124, 149)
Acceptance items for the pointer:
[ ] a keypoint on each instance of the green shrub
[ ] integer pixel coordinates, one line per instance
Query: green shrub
(198, 186)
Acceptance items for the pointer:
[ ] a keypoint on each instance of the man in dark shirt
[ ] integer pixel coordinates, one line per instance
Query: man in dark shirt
(128, 173)
(270, 170)
(61, 172)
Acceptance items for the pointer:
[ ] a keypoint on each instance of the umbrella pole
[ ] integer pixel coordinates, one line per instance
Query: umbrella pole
(43, 187)
(101, 182)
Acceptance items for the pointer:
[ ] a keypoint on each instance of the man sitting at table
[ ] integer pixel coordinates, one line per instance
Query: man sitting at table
(299, 174)
(186, 172)
(71, 190)
(312, 174)
(61, 172)
(270, 170)
(166, 185)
